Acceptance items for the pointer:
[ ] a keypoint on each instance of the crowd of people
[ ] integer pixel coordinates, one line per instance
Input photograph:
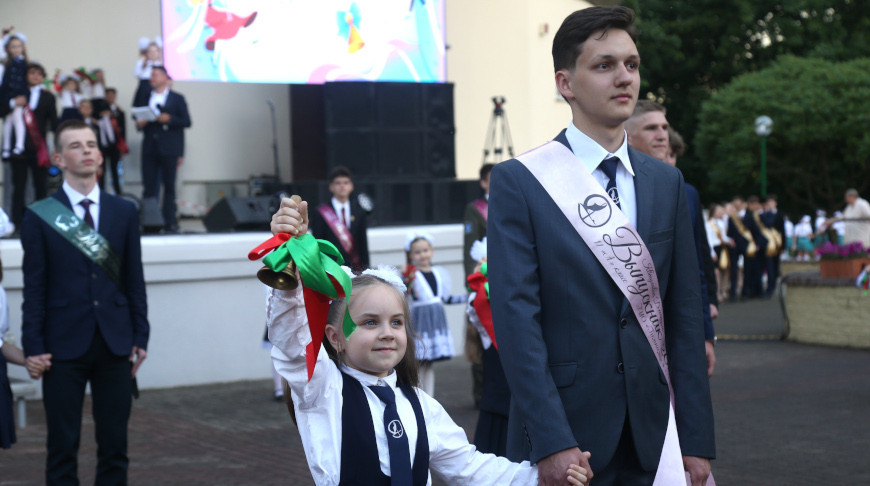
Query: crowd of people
(596, 281)
(30, 103)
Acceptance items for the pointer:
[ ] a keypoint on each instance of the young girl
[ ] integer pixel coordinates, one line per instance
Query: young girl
(150, 55)
(367, 391)
(803, 233)
(429, 290)
(70, 98)
(13, 354)
(13, 85)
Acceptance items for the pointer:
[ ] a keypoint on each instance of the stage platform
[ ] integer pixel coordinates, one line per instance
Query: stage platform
(207, 308)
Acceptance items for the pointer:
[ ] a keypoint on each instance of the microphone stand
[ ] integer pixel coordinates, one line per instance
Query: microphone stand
(274, 140)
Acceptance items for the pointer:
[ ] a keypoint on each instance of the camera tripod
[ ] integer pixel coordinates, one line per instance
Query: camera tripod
(498, 135)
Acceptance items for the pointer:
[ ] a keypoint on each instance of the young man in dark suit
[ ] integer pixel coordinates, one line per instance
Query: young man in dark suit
(84, 316)
(582, 374)
(163, 144)
(41, 104)
(342, 222)
(113, 138)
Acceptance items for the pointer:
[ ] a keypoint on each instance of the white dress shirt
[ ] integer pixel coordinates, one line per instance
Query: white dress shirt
(75, 198)
(338, 206)
(318, 404)
(591, 154)
(158, 100)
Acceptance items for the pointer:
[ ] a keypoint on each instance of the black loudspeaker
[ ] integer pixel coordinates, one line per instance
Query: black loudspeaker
(240, 214)
(403, 130)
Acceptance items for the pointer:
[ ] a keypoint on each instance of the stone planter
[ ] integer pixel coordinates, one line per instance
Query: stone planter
(842, 268)
(830, 311)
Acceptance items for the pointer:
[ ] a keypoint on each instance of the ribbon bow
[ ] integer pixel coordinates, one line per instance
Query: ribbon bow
(478, 282)
(322, 279)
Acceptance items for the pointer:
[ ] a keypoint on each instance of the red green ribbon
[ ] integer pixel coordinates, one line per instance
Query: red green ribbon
(478, 282)
(323, 280)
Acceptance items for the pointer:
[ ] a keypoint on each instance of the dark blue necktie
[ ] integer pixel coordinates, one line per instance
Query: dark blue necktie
(397, 439)
(609, 167)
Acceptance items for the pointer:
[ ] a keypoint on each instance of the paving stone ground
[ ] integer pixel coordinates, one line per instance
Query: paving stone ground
(785, 414)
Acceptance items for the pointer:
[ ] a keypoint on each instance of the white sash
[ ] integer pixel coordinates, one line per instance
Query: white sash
(619, 248)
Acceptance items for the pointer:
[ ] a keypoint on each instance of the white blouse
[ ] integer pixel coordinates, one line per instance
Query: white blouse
(318, 406)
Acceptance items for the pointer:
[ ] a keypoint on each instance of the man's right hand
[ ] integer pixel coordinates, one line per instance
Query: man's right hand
(20, 100)
(141, 124)
(291, 217)
(551, 469)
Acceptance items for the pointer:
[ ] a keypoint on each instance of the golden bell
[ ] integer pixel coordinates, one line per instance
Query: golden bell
(283, 280)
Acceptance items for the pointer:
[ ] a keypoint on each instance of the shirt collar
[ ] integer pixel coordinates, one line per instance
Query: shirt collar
(370, 380)
(590, 153)
(76, 197)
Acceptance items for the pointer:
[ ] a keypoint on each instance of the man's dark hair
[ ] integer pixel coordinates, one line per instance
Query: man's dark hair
(340, 171)
(69, 125)
(111, 90)
(485, 169)
(678, 146)
(770, 197)
(577, 27)
(37, 66)
(162, 68)
(753, 200)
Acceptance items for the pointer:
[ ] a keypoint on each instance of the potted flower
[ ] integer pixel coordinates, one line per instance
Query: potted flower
(842, 261)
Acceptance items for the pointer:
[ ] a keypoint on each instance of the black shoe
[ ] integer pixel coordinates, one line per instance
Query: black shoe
(171, 230)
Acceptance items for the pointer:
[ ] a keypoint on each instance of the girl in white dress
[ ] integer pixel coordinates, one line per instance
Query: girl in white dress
(429, 291)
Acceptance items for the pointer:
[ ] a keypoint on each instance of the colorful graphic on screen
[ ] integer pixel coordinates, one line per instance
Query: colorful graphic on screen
(304, 41)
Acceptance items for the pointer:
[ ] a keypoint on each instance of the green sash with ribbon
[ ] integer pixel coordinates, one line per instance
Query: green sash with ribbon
(92, 244)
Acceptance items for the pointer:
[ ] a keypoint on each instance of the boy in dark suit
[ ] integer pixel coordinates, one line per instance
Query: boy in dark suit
(343, 223)
(583, 374)
(163, 144)
(113, 138)
(84, 316)
(41, 104)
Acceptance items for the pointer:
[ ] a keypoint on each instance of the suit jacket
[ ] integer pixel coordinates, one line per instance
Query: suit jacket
(702, 249)
(475, 230)
(757, 235)
(573, 352)
(358, 231)
(45, 115)
(740, 243)
(167, 139)
(67, 296)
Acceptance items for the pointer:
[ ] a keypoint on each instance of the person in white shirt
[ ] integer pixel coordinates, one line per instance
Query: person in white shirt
(370, 381)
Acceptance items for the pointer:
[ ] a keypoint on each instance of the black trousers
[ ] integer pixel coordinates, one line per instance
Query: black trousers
(111, 159)
(157, 169)
(63, 389)
(20, 168)
(624, 468)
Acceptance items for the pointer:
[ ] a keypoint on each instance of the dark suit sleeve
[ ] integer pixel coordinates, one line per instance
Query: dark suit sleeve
(516, 307)
(179, 117)
(701, 248)
(685, 341)
(51, 121)
(34, 268)
(134, 281)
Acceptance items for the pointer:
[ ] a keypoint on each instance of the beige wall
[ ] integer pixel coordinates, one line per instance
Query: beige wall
(495, 49)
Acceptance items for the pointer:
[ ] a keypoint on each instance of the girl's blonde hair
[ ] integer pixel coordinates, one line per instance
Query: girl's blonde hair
(407, 370)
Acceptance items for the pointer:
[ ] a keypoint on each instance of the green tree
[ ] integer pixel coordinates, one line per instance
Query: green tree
(820, 143)
(690, 50)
